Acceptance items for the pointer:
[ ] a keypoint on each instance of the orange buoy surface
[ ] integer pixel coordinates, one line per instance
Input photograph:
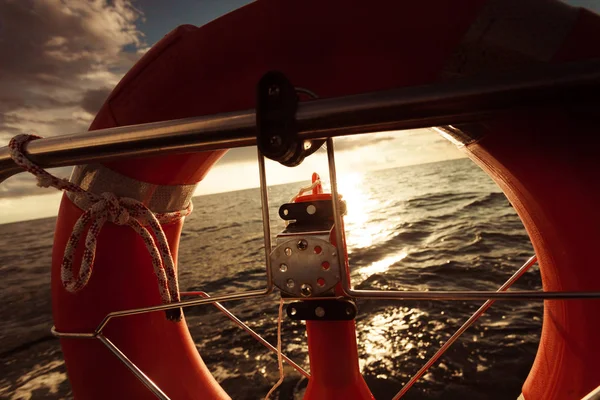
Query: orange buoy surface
(544, 160)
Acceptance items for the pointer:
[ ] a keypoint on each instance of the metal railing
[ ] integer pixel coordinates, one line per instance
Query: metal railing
(444, 103)
(451, 102)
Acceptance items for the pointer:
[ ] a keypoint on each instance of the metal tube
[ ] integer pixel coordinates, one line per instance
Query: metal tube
(71, 335)
(520, 272)
(236, 129)
(470, 295)
(369, 294)
(187, 303)
(593, 395)
(264, 203)
(337, 218)
(450, 102)
(252, 333)
(133, 368)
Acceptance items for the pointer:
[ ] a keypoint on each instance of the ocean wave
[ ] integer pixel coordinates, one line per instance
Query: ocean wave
(490, 199)
(445, 227)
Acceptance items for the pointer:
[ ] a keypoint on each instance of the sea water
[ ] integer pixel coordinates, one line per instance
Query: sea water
(438, 226)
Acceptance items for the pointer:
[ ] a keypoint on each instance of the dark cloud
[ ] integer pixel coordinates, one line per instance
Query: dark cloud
(59, 60)
(51, 39)
(25, 184)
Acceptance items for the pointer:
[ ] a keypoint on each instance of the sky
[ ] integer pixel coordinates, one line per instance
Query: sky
(61, 58)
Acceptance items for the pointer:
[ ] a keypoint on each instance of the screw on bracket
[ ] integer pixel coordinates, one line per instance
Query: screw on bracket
(306, 290)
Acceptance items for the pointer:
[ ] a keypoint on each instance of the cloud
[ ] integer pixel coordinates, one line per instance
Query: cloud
(357, 142)
(60, 59)
(25, 184)
(345, 143)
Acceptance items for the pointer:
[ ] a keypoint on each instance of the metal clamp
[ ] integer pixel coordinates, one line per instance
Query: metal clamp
(322, 310)
(277, 134)
(305, 266)
(277, 129)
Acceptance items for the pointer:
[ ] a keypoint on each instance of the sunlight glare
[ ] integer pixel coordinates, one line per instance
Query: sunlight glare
(382, 265)
(363, 228)
(390, 334)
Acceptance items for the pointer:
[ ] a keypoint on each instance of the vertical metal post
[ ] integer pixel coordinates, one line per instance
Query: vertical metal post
(264, 200)
(337, 217)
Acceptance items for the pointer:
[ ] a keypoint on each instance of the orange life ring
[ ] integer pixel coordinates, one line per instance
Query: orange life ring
(544, 161)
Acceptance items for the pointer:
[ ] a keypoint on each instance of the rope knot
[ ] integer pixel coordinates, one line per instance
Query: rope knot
(116, 212)
(44, 181)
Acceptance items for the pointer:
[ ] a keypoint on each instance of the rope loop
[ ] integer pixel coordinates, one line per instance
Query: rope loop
(121, 211)
(306, 189)
(116, 212)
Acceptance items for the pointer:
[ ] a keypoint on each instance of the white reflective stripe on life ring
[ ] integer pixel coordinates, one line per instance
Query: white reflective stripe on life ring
(98, 179)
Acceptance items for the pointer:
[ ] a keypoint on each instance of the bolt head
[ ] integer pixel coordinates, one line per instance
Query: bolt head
(305, 290)
(275, 141)
(274, 91)
(302, 244)
(320, 312)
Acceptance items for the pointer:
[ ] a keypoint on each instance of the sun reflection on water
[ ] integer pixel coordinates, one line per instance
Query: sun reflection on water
(382, 265)
(363, 227)
(390, 336)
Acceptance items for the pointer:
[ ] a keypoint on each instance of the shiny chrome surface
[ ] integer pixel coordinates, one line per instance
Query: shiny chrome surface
(188, 303)
(134, 368)
(593, 395)
(305, 267)
(74, 335)
(471, 295)
(445, 103)
(520, 272)
(252, 333)
(177, 136)
(264, 203)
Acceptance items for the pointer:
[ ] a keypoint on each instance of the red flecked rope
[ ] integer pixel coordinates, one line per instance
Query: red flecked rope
(118, 210)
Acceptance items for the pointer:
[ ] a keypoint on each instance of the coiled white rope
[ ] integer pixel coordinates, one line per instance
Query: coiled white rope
(118, 210)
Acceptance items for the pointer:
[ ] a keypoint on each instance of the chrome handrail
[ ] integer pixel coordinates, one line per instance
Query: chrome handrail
(449, 102)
